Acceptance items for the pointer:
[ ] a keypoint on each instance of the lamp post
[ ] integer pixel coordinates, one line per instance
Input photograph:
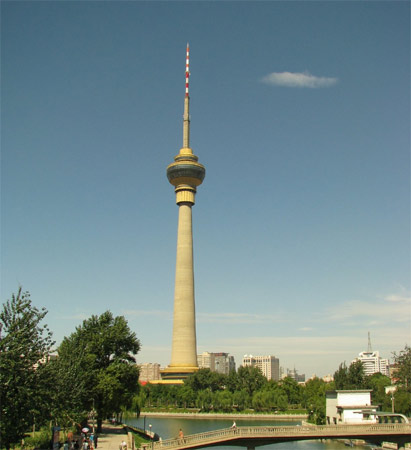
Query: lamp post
(151, 436)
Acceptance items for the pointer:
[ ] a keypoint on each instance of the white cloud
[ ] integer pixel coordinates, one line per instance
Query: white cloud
(298, 79)
(393, 309)
(398, 298)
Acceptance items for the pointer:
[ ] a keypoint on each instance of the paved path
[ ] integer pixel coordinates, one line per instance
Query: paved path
(111, 437)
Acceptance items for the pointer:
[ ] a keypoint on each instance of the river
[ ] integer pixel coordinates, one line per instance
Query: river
(168, 427)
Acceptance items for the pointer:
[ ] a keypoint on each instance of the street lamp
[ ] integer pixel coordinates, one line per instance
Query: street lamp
(151, 436)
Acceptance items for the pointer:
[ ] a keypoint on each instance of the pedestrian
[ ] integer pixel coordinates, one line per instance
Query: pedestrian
(181, 436)
(123, 445)
(66, 445)
(95, 441)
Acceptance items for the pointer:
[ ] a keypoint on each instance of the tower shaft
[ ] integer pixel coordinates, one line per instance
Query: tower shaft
(184, 345)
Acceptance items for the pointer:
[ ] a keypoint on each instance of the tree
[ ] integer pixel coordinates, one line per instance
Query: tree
(402, 362)
(352, 377)
(292, 389)
(206, 379)
(241, 399)
(356, 375)
(24, 345)
(341, 377)
(101, 352)
(223, 401)
(377, 382)
(248, 378)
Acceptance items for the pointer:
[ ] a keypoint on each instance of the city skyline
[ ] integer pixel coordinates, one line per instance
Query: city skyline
(300, 112)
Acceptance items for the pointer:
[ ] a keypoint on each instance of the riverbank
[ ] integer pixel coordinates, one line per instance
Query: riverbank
(196, 415)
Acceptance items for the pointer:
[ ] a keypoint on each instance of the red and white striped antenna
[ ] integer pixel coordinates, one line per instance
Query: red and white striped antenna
(187, 68)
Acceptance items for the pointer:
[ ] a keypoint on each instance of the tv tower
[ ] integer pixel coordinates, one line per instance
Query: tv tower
(185, 174)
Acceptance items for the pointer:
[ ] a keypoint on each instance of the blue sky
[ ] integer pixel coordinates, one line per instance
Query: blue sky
(300, 113)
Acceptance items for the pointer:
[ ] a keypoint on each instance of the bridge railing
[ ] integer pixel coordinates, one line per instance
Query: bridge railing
(225, 434)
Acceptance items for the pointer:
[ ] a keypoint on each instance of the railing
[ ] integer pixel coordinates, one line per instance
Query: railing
(315, 432)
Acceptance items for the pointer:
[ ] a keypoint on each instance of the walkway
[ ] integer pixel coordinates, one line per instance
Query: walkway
(111, 437)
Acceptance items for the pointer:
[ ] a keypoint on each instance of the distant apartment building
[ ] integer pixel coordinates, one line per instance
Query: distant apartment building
(293, 373)
(149, 372)
(216, 362)
(269, 365)
(373, 363)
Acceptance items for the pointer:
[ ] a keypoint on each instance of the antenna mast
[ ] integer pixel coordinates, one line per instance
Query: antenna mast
(369, 350)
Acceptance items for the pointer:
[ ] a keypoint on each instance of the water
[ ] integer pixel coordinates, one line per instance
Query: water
(168, 428)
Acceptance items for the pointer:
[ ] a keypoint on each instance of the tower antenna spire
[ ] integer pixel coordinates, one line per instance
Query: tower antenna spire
(369, 343)
(186, 117)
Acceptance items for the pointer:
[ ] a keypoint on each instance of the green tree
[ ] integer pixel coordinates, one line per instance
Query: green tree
(223, 401)
(24, 343)
(204, 400)
(352, 377)
(402, 363)
(356, 376)
(241, 399)
(292, 390)
(402, 399)
(102, 352)
(206, 379)
(377, 382)
(341, 377)
(248, 378)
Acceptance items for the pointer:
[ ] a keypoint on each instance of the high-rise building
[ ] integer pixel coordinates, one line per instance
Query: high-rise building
(216, 362)
(224, 363)
(269, 365)
(206, 360)
(185, 174)
(373, 363)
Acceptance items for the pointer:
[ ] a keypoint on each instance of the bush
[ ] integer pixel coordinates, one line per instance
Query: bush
(41, 439)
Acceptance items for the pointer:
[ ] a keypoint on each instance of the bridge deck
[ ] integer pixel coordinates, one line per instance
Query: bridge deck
(254, 436)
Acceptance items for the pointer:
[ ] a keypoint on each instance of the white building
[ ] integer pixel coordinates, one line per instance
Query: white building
(269, 365)
(373, 363)
(350, 407)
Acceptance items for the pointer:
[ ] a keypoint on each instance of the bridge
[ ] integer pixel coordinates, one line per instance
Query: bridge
(252, 437)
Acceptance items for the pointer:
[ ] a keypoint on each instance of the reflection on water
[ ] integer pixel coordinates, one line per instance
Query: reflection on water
(169, 427)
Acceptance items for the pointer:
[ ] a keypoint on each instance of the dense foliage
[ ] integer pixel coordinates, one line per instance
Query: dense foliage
(239, 391)
(23, 343)
(96, 369)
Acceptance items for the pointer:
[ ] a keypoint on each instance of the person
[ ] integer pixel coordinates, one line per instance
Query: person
(181, 435)
(123, 445)
(234, 426)
(66, 445)
(95, 441)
